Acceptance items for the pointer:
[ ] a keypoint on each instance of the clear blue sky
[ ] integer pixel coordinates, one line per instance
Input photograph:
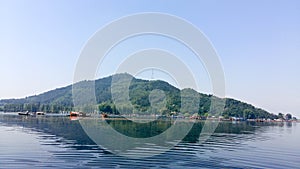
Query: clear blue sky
(258, 42)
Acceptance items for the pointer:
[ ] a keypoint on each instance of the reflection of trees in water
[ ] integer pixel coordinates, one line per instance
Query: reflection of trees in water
(72, 130)
(223, 127)
(58, 126)
(140, 130)
(189, 154)
(231, 130)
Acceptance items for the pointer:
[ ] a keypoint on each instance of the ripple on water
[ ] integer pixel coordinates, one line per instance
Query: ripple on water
(29, 146)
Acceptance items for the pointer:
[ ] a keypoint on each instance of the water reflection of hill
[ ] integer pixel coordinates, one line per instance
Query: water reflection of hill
(72, 130)
(58, 126)
(233, 145)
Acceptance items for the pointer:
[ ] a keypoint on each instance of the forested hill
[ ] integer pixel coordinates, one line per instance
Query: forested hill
(61, 99)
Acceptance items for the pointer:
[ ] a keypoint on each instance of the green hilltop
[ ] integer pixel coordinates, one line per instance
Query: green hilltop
(140, 91)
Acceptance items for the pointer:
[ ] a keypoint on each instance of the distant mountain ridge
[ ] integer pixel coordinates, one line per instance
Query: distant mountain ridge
(61, 99)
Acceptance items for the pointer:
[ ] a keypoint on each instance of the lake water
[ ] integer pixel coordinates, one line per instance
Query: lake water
(58, 142)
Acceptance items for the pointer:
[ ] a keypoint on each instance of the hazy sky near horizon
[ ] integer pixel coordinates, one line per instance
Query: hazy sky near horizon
(258, 43)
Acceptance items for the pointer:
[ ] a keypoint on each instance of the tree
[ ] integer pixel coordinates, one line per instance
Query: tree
(280, 115)
(186, 115)
(247, 113)
(105, 107)
(288, 116)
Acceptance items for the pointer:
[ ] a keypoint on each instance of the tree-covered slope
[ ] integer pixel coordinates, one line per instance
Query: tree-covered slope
(141, 95)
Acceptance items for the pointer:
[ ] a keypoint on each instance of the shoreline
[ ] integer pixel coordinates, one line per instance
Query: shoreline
(151, 118)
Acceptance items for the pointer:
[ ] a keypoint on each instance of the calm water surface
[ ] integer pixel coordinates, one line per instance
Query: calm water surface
(58, 142)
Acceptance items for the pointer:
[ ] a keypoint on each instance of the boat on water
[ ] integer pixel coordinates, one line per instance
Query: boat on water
(104, 115)
(24, 113)
(74, 114)
(40, 113)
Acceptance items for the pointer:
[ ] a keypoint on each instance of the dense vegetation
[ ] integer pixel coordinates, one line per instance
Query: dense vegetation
(166, 102)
